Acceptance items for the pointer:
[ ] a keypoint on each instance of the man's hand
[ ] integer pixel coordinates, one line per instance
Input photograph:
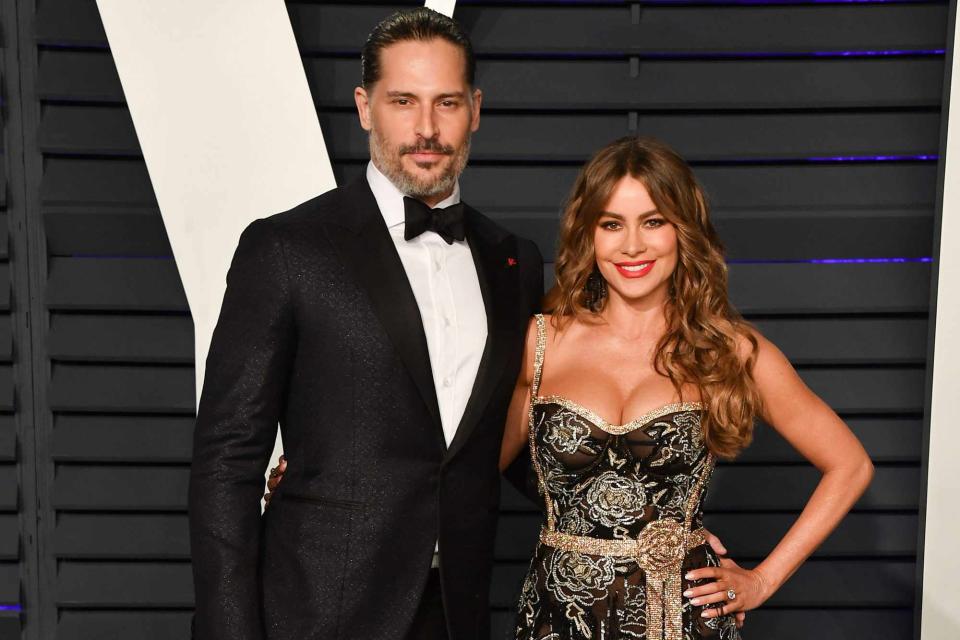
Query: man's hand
(276, 475)
(725, 562)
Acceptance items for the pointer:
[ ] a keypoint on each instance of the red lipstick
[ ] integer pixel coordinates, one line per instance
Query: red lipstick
(635, 269)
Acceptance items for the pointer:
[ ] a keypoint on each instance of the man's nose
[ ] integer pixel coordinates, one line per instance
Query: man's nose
(426, 123)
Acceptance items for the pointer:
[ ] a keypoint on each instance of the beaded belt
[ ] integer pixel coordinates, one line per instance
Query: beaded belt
(659, 550)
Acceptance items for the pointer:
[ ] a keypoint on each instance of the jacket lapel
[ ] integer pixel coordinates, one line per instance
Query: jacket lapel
(490, 251)
(366, 247)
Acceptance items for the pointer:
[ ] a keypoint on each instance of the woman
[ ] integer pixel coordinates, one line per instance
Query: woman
(641, 377)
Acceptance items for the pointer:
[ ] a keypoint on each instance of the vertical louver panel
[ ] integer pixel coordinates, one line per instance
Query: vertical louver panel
(11, 177)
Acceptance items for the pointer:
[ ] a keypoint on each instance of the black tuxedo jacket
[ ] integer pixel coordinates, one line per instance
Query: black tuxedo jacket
(320, 332)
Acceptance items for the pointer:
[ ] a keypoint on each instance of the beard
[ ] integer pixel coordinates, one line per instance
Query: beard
(389, 160)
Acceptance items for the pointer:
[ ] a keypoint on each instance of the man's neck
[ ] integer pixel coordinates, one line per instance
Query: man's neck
(433, 201)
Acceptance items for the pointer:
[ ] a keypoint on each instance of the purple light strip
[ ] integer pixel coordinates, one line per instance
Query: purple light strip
(852, 53)
(698, 55)
(867, 158)
(888, 52)
(925, 157)
(925, 259)
(10, 607)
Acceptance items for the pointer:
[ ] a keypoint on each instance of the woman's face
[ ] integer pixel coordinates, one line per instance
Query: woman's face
(636, 247)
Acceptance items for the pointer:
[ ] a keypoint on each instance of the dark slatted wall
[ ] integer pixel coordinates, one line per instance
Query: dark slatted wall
(118, 339)
(14, 367)
(814, 127)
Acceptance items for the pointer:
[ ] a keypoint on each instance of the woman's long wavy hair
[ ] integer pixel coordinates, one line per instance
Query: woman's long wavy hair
(705, 336)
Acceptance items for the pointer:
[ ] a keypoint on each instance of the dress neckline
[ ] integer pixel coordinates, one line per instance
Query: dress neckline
(618, 429)
(584, 412)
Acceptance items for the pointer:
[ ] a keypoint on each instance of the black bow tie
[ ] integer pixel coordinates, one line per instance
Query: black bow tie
(447, 223)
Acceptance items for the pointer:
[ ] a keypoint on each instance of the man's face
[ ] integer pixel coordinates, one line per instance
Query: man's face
(420, 115)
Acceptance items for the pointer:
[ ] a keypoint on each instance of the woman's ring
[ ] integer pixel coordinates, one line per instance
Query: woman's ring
(274, 472)
(731, 594)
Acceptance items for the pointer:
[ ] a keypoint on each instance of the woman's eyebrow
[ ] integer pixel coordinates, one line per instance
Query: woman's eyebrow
(619, 216)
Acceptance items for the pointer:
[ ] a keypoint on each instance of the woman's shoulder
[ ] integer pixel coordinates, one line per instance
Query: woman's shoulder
(538, 323)
(538, 320)
(753, 346)
(551, 325)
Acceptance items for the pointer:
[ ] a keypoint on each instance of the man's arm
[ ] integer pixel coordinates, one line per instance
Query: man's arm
(242, 397)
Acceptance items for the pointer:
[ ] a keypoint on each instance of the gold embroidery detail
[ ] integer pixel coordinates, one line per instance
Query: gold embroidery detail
(619, 429)
(661, 545)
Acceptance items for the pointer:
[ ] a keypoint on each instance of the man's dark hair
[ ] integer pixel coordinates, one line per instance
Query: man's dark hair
(413, 24)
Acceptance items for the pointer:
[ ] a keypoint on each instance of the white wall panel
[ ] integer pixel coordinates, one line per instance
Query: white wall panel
(445, 7)
(226, 123)
(227, 126)
(940, 616)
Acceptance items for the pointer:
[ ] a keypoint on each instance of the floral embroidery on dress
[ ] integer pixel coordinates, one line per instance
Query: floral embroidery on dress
(611, 483)
(566, 431)
(614, 499)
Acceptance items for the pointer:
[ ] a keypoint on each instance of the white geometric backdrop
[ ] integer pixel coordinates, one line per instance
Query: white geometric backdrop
(940, 617)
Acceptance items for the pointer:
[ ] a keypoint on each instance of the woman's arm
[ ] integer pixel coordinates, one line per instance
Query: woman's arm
(818, 434)
(517, 428)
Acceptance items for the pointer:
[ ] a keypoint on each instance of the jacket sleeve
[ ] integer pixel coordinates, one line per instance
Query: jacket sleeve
(538, 284)
(241, 403)
(520, 472)
(535, 277)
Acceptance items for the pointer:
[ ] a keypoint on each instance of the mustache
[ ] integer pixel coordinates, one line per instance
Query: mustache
(432, 146)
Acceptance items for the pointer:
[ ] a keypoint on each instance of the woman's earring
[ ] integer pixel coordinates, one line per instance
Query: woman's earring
(596, 290)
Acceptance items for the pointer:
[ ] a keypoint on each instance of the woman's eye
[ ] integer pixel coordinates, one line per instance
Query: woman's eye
(654, 223)
(610, 225)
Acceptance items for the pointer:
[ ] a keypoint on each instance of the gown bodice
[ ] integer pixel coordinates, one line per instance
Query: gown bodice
(608, 481)
(643, 483)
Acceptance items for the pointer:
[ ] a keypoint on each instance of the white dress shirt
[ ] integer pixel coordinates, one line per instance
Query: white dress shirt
(444, 282)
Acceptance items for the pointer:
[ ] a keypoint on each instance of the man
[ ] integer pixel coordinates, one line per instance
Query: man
(381, 325)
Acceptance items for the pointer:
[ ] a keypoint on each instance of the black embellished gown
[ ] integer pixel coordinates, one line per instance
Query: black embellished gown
(624, 508)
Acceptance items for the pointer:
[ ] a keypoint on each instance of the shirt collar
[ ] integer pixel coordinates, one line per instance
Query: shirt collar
(390, 199)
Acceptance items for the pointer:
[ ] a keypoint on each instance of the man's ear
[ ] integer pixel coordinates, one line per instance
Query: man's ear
(362, 99)
(475, 118)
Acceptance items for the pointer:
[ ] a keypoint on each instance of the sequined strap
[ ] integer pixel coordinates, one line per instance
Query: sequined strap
(531, 424)
(538, 355)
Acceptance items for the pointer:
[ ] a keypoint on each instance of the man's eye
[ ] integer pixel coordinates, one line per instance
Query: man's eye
(402, 101)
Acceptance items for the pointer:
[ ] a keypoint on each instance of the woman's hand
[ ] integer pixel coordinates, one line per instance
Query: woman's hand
(737, 588)
(721, 552)
(276, 475)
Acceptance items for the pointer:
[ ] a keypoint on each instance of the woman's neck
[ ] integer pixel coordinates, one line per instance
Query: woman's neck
(633, 320)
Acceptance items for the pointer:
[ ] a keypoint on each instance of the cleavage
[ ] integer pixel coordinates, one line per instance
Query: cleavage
(578, 444)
